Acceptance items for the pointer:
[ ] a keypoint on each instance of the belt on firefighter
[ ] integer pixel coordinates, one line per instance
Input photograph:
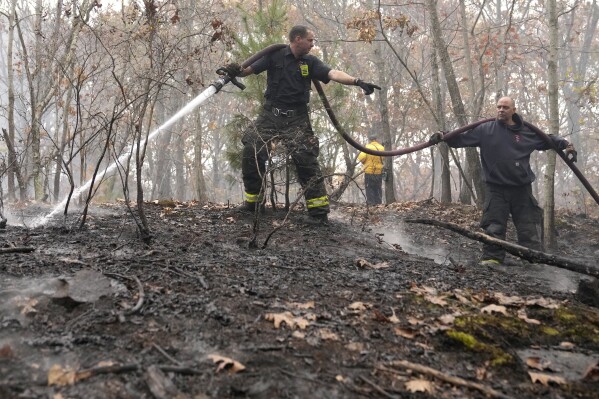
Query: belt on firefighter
(285, 112)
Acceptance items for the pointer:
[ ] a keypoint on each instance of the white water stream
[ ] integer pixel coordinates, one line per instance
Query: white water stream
(112, 167)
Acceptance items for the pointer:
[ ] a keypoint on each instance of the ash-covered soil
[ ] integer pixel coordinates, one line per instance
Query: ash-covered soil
(221, 305)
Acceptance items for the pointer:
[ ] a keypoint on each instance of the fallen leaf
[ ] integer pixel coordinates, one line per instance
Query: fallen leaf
(287, 318)
(365, 264)
(393, 319)
(327, 335)
(437, 300)
(408, 333)
(447, 319)
(298, 334)
(27, 305)
(461, 298)
(503, 299)
(537, 363)
(543, 302)
(546, 379)
(359, 306)
(422, 290)
(414, 321)
(490, 309)
(61, 376)
(307, 305)
(419, 385)
(481, 373)
(592, 372)
(381, 318)
(355, 346)
(566, 345)
(522, 316)
(225, 363)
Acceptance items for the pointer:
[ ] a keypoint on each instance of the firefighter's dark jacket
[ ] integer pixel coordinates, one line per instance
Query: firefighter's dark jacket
(505, 150)
(288, 78)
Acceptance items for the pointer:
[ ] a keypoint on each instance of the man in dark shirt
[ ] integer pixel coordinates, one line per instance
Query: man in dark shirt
(505, 148)
(285, 117)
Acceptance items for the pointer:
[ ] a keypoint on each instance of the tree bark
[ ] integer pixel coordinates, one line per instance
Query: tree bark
(473, 163)
(553, 91)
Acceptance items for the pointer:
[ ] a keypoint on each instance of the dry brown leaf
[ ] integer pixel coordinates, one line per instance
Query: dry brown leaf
(592, 372)
(523, 316)
(61, 376)
(27, 304)
(381, 318)
(503, 299)
(481, 373)
(447, 319)
(307, 305)
(225, 363)
(537, 363)
(298, 334)
(422, 290)
(327, 335)
(393, 319)
(461, 298)
(437, 300)
(546, 379)
(420, 385)
(289, 319)
(355, 346)
(490, 309)
(566, 345)
(543, 302)
(365, 264)
(359, 306)
(413, 321)
(408, 333)
(57, 396)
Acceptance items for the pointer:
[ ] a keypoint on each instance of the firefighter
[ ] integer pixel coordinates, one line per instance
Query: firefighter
(373, 171)
(285, 117)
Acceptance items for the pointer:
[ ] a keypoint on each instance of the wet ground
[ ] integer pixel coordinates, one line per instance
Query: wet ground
(217, 306)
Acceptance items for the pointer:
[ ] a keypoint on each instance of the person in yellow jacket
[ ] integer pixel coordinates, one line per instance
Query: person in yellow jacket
(373, 171)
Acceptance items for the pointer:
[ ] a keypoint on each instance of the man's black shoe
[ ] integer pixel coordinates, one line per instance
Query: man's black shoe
(250, 207)
(316, 220)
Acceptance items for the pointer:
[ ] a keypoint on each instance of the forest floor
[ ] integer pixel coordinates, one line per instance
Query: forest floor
(367, 307)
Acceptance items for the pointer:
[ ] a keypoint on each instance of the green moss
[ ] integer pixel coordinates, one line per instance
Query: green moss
(498, 356)
(565, 315)
(466, 339)
(549, 331)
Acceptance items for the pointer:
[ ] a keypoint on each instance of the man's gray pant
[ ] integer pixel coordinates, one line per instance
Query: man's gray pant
(500, 202)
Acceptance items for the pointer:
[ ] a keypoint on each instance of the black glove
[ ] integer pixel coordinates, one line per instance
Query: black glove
(436, 138)
(233, 69)
(367, 87)
(571, 153)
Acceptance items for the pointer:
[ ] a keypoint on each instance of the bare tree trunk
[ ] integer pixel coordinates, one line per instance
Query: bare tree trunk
(386, 129)
(200, 182)
(12, 159)
(459, 111)
(549, 206)
(443, 148)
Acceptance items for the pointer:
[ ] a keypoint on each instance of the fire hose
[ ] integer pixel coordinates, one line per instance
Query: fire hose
(224, 79)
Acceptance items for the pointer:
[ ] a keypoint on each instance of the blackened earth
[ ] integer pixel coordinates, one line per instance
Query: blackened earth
(233, 306)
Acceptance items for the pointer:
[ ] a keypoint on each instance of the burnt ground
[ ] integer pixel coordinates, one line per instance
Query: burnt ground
(321, 312)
